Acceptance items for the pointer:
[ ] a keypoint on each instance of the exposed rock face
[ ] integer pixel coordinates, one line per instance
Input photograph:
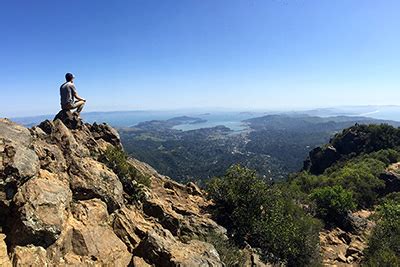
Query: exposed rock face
(29, 256)
(59, 205)
(352, 141)
(320, 159)
(159, 246)
(391, 177)
(40, 209)
(341, 248)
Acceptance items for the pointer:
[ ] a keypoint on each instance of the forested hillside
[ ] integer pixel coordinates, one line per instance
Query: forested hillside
(273, 145)
(349, 206)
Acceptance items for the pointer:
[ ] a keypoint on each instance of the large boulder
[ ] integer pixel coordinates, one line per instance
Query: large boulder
(161, 248)
(70, 119)
(51, 157)
(92, 179)
(320, 159)
(89, 239)
(392, 182)
(18, 163)
(17, 159)
(64, 138)
(40, 210)
(30, 256)
(131, 226)
(105, 132)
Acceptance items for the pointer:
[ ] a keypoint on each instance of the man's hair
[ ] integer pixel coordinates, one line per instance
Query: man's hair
(69, 77)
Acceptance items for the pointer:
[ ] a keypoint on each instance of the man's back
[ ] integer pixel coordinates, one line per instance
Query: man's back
(67, 90)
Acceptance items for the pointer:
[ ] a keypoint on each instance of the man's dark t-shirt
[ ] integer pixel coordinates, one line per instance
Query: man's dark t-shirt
(67, 93)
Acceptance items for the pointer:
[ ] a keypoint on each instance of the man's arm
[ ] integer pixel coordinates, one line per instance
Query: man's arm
(75, 94)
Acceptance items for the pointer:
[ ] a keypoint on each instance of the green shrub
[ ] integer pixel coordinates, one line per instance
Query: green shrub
(394, 197)
(332, 203)
(265, 217)
(131, 179)
(228, 252)
(384, 243)
(117, 160)
(306, 182)
(361, 176)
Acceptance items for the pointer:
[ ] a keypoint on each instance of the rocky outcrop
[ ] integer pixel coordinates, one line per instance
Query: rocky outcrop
(350, 142)
(320, 159)
(163, 249)
(40, 210)
(344, 248)
(391, 178)
(60, 205)
(70, 119)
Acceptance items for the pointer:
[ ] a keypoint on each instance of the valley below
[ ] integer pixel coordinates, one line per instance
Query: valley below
(273, 145)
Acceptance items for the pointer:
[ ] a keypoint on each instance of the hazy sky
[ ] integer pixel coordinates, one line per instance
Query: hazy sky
(168, 54)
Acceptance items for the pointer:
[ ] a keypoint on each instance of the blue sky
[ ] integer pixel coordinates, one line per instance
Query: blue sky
(165, 54)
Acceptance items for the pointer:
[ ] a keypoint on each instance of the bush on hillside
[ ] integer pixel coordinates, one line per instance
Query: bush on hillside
(228, 252)
(306, 182)
(359, 175)
(333, 203)
(131, 179)
(394, 197)
(265, 217)
(384, 243)
(362, 178)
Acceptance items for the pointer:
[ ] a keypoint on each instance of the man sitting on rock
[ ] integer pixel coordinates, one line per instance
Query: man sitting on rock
(68, 95)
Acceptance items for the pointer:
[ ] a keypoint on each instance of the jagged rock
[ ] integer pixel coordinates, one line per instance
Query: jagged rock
(14, 132)
(29, 256)
(89, 239)
(352, 250)
(107, 133)
(193, 189)
(320, 159)
(18, 162)
(356, 247)
(50, 156)
(131, 226)
(170, 221)
(392, 182)
(341, 257)
(179, 211)
(69, 119)
(162, 249)
(64, 138)
(4, 259)
(351, 141)
(40, 207)
(341, 247)
(354, 223)
(107, 248)
(92, 179)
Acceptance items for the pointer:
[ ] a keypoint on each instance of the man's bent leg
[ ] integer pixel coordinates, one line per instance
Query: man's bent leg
(79, 106)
